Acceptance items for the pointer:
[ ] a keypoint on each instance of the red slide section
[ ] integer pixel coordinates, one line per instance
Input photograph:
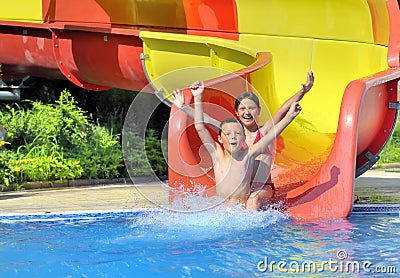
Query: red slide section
(366, 121)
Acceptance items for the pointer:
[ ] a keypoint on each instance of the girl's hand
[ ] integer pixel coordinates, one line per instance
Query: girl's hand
(178, 98)
(310, 82)
(197, 88)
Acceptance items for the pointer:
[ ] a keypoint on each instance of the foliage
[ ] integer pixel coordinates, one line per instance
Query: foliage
(49, 142)
(143, 157)
(101, 155)
(55, 142)
(154, 152)
(391, 152)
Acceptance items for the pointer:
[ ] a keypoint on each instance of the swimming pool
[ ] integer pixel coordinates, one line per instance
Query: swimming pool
(221, 242)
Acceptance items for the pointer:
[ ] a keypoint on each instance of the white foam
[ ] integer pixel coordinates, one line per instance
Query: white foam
(220, 218)
(192, 210)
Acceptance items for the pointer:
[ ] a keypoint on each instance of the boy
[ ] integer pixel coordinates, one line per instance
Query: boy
(233, 165)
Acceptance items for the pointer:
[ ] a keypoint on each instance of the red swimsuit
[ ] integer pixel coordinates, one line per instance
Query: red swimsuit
(258, 138)
(266, 151)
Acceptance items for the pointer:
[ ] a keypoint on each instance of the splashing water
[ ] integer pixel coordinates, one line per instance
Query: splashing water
(192, 209)
(218, 221)
(195, 198)
(223, 216)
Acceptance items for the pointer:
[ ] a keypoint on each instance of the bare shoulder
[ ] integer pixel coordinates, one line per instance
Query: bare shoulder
(265, 128)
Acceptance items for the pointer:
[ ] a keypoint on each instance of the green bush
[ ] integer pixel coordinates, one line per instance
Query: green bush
(391, 152)
(55, 142)
(33, 151)
(143, 157)
(50, 142)
(154, 152)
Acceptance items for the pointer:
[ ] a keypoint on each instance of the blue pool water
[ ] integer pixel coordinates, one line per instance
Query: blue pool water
(222, 242)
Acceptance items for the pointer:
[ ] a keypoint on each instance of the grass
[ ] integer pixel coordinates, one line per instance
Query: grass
(393, 170)
(373, 197)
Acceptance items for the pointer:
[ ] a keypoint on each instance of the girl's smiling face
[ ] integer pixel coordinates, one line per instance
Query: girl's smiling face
(247, 112)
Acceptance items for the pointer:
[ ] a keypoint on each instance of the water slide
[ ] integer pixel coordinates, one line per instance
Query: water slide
(234, 45)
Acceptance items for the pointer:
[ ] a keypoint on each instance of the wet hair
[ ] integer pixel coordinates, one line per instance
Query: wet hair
(229, 120)
(246, 95)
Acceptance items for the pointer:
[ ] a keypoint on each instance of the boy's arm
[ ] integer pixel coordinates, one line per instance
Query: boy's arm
(197, 89)
(179, 101)
(260, 146)
(280, 114)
